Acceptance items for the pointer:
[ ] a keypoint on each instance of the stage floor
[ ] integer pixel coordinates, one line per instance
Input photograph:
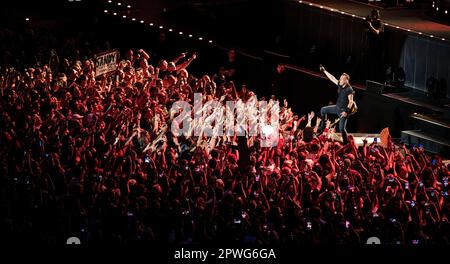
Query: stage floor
(413, 19)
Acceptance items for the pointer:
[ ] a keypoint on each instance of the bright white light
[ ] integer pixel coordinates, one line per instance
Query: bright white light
(210, 41)
(142, 21)
(151, 24)
(321, 6)
(437, 8)
(397, 27)
(170, 30)
(386, 24)
(128, 6)
(420, 33)
(331, 9)
(300, 2)
(431, 36)
(119, 4)
(124, 16)
(442, 38)
(109, 1)
(115, 13)
(200, 38)
(181, 32)
(446, 12)
(161, 27)
(27, 19)
(310, 4)
(267, 130)
(342, 12)
(134, 19)
(353, 15)
(106, 11)
(408, 30)
(190, 35)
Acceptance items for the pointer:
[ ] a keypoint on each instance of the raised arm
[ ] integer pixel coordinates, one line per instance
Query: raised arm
(329, 75)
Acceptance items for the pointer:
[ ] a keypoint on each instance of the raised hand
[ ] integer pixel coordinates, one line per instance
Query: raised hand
(322, 69)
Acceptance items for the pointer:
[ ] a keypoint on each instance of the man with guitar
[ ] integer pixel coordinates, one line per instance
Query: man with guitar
(345, 106)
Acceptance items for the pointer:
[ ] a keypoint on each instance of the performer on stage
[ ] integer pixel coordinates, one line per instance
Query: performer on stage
(344, 104)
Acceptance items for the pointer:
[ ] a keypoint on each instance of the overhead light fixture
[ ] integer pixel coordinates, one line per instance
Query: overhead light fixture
(170, 30)
(151, 24)
(109, 1)
(190, 35)
(181, 32)
(128, 6)
(27, 19)
(106, 11)
(200, 38)
(210, 41)
(119, 4)
(142, 21)
(115, 13)
(133, 19)
(161, 27)
(124, 16)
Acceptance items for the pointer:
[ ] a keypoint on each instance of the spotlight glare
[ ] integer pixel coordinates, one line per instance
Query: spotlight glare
(437, 8)
(142, 21)
(115, 13)
(128, 6)
(210, 41)
(268, 130)
(170, 30)
(109, 1)
(190, 35)
(300, 1)
(119, 4)
(200, 38)
(181, 32)
(124, 16)
(151, 24)
(134, 19)
(27, 19)
(106, 11)
(161, 27)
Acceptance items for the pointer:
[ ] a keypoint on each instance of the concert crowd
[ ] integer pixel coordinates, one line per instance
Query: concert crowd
(95, 158)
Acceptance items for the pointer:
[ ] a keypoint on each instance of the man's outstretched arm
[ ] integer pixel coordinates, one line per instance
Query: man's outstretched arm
(329, 76)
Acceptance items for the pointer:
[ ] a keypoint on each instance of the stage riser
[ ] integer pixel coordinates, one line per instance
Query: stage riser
(431, 128)
(428, 145)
